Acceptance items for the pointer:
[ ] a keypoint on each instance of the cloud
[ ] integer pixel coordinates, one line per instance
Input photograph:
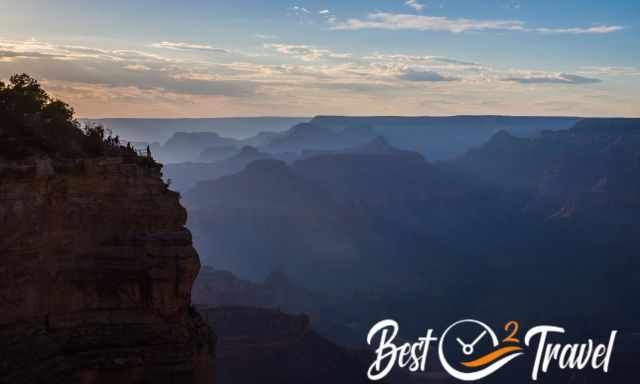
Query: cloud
(114, 68)
(39, 49)
(356, 87)
(397, 22)
(559, 78)
(266, 37)
(420, 59)
(298, 9)
(581, 31)
(610, 71)
(415, 5)
(120, 82)
(8, 56)
(512, 5)
(324, 12)
(176, 46)
(137, 67)
(424, 76)
(307, 53)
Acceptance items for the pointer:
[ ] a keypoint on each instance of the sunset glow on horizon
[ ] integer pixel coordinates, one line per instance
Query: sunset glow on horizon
(392, 57)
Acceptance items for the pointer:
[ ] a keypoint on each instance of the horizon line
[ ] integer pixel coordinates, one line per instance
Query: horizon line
(353, 116)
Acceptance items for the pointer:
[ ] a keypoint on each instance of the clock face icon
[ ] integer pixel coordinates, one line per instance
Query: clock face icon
(468, 339)
(470, 350)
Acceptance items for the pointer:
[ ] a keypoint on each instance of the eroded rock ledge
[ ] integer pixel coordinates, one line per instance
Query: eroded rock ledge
(96, 276)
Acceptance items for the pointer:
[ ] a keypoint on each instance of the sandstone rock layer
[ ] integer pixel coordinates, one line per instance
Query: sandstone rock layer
(96, 276)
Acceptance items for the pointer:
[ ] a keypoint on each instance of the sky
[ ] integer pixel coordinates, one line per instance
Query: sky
(199, 58)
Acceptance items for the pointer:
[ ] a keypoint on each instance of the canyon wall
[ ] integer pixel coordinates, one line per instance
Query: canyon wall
(262, 345)
(96, 275)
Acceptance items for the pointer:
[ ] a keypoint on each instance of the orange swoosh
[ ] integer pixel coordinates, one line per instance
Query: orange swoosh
(491, 357)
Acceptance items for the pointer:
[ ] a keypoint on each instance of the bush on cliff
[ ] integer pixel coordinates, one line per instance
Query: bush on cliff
(34, 123)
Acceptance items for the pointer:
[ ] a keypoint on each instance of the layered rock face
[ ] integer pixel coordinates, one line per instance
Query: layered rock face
(215, 288)
(96, 276)
(259, 345)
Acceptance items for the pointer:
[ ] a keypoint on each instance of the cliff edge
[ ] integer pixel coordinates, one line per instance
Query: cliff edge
(97, 266)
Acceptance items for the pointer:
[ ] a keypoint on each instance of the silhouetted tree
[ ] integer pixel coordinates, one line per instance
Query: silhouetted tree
(33, 122)
(23, 96)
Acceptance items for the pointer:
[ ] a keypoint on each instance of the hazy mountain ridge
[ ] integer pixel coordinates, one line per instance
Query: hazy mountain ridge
(595, 162)
(317, 137)
(185, 176)
(445, 137)
(277, 203)
(514, 204)
(437, 138)
(150, 130)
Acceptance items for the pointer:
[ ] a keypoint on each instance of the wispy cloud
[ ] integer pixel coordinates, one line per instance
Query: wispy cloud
(266, 37)
(299, 9)
(10, 56)
(306, 52)
(558, 78)
(391, 21)
(424, 76)
(137, 83)
(610, 71)
(512, 5)
(324, 12)
(415, 5)
(395, 22)
(581, 31)
(114, 69)
(178, 46)
(32, 48)
(137, 67)
(403, 58)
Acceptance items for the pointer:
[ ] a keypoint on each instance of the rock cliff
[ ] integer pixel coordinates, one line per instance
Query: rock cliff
(260, 345)
(96, 275)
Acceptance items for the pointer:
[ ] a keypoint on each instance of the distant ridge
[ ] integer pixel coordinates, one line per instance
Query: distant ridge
(161, 129)
(444, 137)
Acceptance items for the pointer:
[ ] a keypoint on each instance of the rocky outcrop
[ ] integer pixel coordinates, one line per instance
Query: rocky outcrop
(96, 275)
(267, 346)
(215, 288)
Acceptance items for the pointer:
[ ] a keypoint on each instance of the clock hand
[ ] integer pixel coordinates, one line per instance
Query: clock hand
(461, 342)
(478, 338)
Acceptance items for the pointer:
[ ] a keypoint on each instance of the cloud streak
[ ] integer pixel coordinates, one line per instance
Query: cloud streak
(298, 9)
(415, 5)
(301, 79)
(432, 60)
(610, 71)
(177, 46)
(398, 22)
(559, 78)
(114, 68)
(581, 31)
(306, 52)
(424, 76)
